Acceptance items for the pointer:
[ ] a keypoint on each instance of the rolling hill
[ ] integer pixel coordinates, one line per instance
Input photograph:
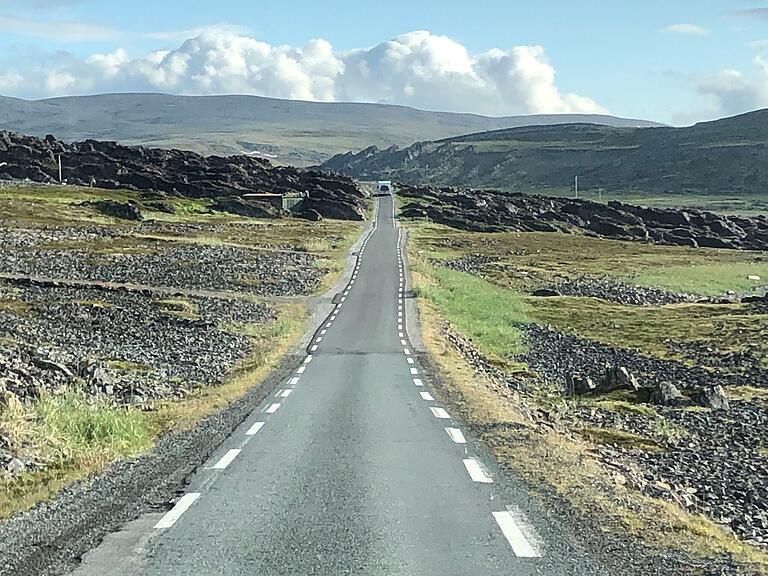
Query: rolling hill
(285, 131)
(728, 156)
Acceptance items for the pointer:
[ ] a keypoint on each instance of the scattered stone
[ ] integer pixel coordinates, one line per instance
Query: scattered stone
(667, 394)
(546, 293)
(713, 397)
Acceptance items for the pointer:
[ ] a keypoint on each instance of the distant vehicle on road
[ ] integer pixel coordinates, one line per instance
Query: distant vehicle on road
(383, 187)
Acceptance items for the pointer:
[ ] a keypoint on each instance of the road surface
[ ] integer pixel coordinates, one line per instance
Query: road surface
(352, 466)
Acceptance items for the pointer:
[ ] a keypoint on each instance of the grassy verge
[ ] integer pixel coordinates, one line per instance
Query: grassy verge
(554, 463)
(550, 460)
(487, 314)
(73, 435)
(77, 436)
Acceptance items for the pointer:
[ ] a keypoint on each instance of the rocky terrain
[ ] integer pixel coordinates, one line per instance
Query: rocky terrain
(493, 211)
(66, 253)
(174, 172)
(720, 158)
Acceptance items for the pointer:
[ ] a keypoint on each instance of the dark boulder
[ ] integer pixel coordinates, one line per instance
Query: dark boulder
(247, 208)
(667, 394)
(309, 214)
(115, 209)
(712, 397)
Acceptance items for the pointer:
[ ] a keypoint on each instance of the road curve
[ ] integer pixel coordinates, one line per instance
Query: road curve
(352, 466)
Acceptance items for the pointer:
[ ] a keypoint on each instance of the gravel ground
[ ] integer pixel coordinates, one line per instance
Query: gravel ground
(168, 352)
(193, 266)
(712, 462)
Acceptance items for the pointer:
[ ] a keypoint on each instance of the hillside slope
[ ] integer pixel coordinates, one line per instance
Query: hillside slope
(725, 156)
(287, 131)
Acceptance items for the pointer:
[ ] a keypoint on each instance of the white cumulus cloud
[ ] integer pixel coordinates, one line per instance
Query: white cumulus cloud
(419, 69)
(686, 30)
(733, 92)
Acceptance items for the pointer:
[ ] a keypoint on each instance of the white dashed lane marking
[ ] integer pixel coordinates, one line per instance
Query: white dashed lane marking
(426, 396)
(418, 382)
(308, 359)
(301, 369)
(314, 348)
(227, 459)
(293, 381)
(439, 413)
(273, 408)
(254, 428)
(476, 471)
(285, 393)
(414, 371)
(410, 360)
(175, 513)
(512, 524)
(456, 435)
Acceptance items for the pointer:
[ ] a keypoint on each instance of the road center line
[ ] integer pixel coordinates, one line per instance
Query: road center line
(227, 459)
(179, 508)
(476, 471)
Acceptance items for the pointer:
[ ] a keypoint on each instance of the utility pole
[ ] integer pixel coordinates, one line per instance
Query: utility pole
(576, 186)
(59, 158)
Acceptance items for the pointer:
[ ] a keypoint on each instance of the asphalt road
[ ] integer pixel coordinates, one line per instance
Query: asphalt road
(352, 466)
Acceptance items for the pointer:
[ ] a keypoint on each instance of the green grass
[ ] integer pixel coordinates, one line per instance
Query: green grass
(73, 435)
(487, 314)
(709, 280)
(723, 328)
(611, 436)
(531, 259)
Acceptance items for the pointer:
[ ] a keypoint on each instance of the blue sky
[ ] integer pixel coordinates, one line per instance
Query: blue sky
(676, 61)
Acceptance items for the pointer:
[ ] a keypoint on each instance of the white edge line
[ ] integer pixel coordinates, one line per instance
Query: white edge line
(439, 413)
(456, 435)
(426, 396)
(521, 546)
(273, 408)
(418, 382)
(179, 508)
(227, 459)
(254, 428)
(476, 471)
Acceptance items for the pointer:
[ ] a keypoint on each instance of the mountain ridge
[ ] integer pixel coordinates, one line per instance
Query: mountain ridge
(289, 131)
(723, 156)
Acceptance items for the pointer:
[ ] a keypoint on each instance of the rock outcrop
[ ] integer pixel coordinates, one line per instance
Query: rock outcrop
(491, 211)
(174, 172)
